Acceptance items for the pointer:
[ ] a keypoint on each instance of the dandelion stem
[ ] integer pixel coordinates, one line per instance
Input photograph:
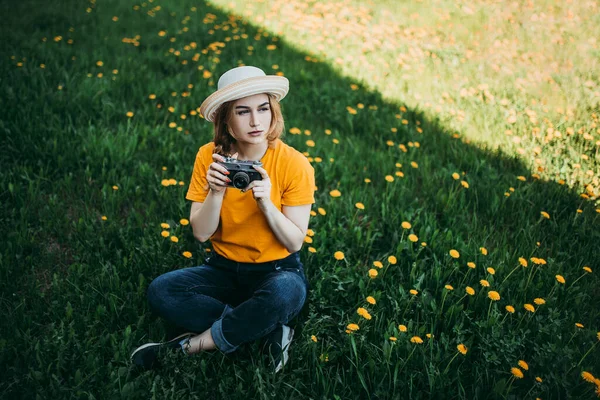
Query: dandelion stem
(552, 291)
(511, 272)
(586, 354)
(527, 394)
(575, 281)
(443, 301)
(448, 366)
(406, 308)
(464, 277)
(409, 356)
(511, 380)
(489, 309)
(530, 277)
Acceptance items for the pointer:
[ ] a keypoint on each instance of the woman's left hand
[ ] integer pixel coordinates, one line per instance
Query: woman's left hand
(261, 189)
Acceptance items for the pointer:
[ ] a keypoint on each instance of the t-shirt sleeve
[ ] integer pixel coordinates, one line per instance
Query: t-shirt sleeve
(198, 189)
(300, 187)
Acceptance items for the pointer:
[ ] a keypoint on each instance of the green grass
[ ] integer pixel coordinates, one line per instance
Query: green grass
(73, 285)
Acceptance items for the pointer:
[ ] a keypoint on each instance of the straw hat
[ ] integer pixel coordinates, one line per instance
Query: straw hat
(242, 82)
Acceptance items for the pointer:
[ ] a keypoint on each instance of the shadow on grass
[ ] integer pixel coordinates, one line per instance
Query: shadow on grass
(73, 286)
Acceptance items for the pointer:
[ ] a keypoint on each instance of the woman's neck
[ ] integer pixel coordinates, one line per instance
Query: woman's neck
(251, 152)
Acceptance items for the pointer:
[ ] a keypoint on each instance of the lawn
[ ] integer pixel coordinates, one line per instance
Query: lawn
(454, 246)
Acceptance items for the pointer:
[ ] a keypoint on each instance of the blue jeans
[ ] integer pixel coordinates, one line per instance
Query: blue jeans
(239, 302)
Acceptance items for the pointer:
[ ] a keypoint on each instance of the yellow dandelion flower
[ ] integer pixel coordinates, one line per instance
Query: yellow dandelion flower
(454, 254)
(363, 313)
(335, 193)
(360, 206)
(455, 176)
(462, 349)
(529, 307)
(184, 221)
(99, 63)
(310, 143)
(308, 239)
(152, 96)
(471, 264)
(351, 110)
(491, 271)
(523, 261)
(588, 377)
(313, 338)
(373, 273)
(392, 260)
(428, 335)
(164, 225)
(413, 238)
(414, 164)
(587, 269)
(402, 328)
(483, 251)
(353, 327)
(129, 114)
(165, 234)
(271, 47)
(539, 301)
(537, 378)
(493, 295)
(393, 338)
(115, 187)
(338, 255)
(521, 178)
(295, 131)
(510, 309)
(321, 211)
(371, 300)
(104, 218)
(206, 74)
(484, 283)
(389, 178)
(413, 292)
(187, 254)
(449, 287)
(545, 214)
(367, 180)
(516, 372)
(464, 184)
(378, 264)
(406, 225)
(560, 279)
(523, 365)
(416, 339)
(174, 239)
(470, 291)
(577, 324)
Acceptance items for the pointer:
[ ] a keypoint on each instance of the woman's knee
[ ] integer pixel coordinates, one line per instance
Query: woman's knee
(289, 292)
(157, 291)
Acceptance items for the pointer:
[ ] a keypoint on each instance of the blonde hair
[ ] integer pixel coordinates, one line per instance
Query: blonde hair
(223, 139)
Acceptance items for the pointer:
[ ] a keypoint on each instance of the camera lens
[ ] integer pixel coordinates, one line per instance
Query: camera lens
(241, 180)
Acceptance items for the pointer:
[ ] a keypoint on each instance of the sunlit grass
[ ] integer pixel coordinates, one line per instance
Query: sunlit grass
(453, 247)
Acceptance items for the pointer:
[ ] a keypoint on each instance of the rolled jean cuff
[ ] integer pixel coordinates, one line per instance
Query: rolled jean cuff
(217, 333)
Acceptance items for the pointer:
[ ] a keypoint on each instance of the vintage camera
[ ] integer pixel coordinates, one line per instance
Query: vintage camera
(241, 172)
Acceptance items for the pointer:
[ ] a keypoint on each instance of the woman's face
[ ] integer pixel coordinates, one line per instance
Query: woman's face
(251, 119)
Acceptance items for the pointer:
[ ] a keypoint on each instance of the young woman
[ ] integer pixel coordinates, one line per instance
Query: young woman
(253, 284)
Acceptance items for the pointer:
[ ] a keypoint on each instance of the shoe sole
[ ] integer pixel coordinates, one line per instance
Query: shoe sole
(285, 344)
(175, 339)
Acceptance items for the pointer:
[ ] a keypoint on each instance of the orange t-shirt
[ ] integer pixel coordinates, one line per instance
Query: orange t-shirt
(243, 234)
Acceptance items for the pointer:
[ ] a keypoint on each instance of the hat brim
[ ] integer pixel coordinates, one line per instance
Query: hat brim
(278, 86)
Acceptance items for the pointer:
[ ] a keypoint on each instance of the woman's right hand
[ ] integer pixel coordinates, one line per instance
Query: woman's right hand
(216, 176)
